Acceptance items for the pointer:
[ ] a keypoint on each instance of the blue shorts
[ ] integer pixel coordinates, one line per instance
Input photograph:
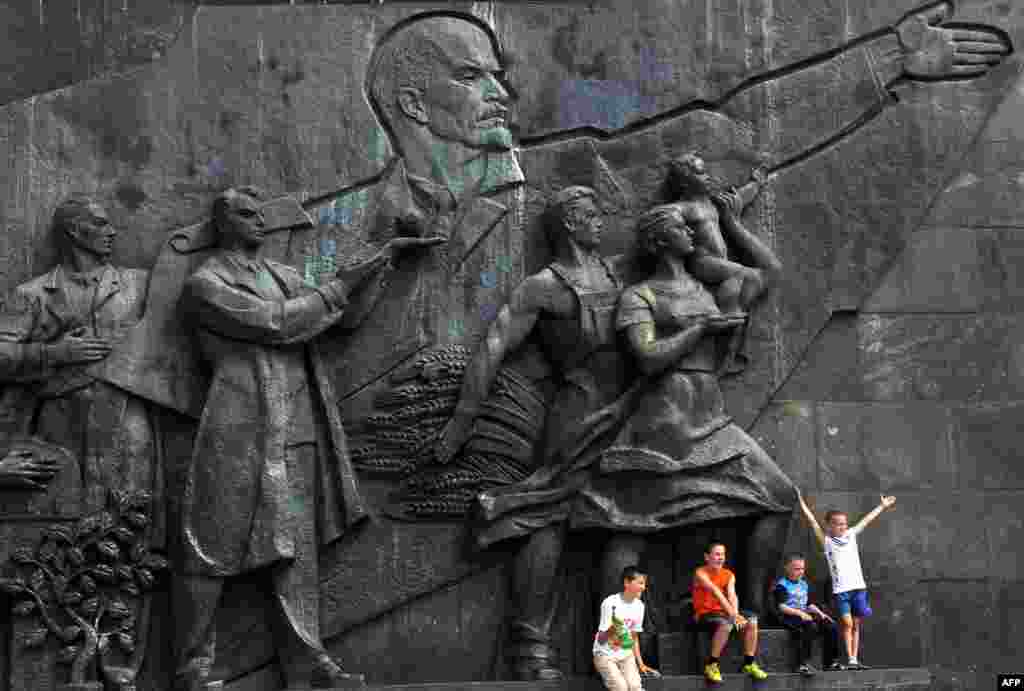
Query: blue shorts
(853, 602)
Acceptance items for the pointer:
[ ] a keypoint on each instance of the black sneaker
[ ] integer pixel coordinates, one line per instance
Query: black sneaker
(837, 666)
(807, 670)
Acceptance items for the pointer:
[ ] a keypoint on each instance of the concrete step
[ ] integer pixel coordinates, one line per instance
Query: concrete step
(682, 653)
(915, 679)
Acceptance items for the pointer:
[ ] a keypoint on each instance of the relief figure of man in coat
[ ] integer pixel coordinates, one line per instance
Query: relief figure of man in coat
(270, 478)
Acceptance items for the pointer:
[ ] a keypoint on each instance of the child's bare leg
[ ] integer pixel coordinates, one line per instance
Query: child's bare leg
(750, 638)
(855, 637)
(719, 639)
(846, 623)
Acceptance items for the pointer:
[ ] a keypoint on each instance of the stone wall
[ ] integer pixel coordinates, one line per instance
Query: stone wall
(887, 362)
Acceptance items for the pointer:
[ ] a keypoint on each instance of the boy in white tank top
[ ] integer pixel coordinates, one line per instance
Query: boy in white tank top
(848, 586)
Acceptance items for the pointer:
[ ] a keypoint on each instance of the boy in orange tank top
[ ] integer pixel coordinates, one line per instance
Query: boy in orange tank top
(716, 608)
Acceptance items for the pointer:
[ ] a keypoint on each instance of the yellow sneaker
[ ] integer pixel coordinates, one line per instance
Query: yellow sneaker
(712, 673)
(756, 672)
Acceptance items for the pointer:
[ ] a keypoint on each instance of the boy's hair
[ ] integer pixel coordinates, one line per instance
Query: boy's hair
(835, 512)
(713, 544)
(794, 556)
(631, 573)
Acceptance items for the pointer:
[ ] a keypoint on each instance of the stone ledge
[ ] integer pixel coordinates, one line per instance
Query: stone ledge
(911, 679)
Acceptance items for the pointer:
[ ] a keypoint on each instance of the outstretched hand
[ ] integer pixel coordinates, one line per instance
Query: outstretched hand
(933, 51)
(888, 501)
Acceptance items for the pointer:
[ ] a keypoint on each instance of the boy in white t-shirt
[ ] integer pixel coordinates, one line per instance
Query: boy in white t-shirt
(616, 645)
(848, 586)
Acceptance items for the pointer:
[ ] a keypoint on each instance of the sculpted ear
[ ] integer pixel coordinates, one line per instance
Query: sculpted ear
(411, 104)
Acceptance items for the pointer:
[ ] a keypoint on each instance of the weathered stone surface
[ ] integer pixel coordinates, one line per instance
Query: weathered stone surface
(953, 534)
(892, 635)
(786, 430)
(1003, 523)
(961, 626)
(881, 447)
(1010, 609)
(951, 270)
(460, 620)
(677, 653)
(986, 190)
(51, 45)
(987, 439)
(244, 627)
(272, 95)
(904, 358)
(266, 677)
(390, 563)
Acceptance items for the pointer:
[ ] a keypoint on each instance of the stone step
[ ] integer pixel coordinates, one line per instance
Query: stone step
(682, 653)
(915, 679)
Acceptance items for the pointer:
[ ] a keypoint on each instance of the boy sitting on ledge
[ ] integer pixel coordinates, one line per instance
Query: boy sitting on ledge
(805, 620)
(716, 609)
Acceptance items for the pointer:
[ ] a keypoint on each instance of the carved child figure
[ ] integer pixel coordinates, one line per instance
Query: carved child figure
(705, 206)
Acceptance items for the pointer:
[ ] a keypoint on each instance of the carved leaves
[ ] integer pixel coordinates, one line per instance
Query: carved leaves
(80, 581)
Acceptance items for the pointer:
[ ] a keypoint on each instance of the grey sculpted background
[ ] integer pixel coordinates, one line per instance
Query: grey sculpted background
(362, 330)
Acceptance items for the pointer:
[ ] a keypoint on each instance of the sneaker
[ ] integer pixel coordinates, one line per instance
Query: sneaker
(837, 666)
(712, 673)
(754, 671)
(807, 670)
(857, 666)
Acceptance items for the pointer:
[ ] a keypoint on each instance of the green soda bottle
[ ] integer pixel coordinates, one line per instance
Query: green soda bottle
(625, 639)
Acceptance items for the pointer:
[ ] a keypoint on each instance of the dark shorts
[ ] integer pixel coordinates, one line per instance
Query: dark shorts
(853, 602)
(712, 620)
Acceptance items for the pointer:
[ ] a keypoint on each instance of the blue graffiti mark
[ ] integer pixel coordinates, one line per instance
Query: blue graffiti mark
(650, 68)
(488, 312)
(215, 168)
(488, 279)
(600, 103)
(328, 247)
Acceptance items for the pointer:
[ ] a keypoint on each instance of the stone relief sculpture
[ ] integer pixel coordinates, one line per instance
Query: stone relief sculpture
(84, 585)
(456, 106)
(53, 329)
(570, 305)
(436, 82)
(399, 439)
(28, 466)
(270, 478)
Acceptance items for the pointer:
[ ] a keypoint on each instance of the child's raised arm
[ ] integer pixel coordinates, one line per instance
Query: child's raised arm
(887, 501)
(818, 532)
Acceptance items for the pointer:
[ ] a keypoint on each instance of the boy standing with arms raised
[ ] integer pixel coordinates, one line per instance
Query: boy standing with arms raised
(616, 645)
(848, 584)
